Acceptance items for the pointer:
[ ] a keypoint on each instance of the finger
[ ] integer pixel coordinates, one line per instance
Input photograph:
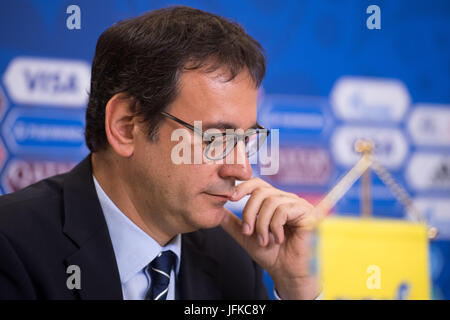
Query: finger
(247, 187)
(290, 213)
(301, 215)
(250, 186)
(232, 225)
(264, 217)
(271, 239)
(252, 208)
(278, 221)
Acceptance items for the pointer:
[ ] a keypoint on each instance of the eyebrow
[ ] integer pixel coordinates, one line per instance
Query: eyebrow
(221, 125)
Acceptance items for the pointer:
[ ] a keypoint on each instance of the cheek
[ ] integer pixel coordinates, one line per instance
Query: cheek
(188, 184)
(192, 178)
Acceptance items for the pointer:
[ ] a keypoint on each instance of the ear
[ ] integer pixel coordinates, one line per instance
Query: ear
(120, 125)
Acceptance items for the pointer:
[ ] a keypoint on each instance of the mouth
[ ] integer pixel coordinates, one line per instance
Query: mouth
(222, 197)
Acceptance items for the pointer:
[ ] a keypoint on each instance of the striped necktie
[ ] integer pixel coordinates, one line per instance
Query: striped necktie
(159, 270)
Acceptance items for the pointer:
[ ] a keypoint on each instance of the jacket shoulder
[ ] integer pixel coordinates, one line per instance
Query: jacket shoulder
(37, 202)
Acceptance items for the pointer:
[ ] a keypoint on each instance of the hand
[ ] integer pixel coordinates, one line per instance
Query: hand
(276, 231)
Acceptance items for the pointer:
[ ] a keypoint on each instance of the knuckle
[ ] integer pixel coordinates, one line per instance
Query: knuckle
(260, 193)
(271, 202)
(274, 225)
(259, 189)
(283, 210)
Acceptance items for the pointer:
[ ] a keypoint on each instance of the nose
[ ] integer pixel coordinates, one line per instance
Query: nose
(236, 164)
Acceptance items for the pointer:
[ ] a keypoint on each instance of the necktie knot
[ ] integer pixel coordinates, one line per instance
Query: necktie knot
(159, 270)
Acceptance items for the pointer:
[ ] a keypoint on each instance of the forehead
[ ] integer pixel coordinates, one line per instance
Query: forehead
(209, 97)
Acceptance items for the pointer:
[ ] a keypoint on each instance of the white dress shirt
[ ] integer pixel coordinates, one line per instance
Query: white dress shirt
(134, 250)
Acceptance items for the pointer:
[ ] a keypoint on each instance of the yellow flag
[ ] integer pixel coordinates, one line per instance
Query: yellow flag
(373, 259)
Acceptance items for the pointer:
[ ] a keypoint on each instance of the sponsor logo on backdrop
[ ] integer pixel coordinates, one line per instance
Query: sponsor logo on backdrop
(359, 98)
(3, 104)
(429, 125)
(19, 174)
(437, 214)
(40, 131)
(429, 172)
(58, 82)
(303, 166)
(390, 149)
(298, 115)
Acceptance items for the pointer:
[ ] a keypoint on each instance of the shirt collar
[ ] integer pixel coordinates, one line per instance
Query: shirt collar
(134, 249)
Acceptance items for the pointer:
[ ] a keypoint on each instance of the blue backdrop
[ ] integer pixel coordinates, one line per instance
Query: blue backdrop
(330, 80)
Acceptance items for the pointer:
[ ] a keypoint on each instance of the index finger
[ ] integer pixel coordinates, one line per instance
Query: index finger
(248, 187)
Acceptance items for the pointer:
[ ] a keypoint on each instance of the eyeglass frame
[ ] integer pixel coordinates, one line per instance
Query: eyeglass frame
(240, 137)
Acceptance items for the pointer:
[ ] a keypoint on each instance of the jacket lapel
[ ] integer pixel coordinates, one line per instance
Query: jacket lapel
(197, 279)
(85, 225)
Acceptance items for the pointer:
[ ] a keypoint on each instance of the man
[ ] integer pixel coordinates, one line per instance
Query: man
(130, 223)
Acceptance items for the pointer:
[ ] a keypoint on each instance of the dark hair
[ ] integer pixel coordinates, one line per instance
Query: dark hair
(143, 57)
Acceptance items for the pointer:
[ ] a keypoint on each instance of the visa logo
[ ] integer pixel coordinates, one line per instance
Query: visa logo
(53, 82)
(50, 82)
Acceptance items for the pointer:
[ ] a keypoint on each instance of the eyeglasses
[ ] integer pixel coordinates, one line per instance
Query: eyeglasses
(220, 144)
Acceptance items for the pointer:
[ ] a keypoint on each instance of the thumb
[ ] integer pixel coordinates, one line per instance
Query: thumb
(232, 225)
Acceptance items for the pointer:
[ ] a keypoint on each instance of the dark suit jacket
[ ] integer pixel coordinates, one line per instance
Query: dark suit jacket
(58, 222)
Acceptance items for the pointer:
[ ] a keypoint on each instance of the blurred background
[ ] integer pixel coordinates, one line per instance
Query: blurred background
(331, 80)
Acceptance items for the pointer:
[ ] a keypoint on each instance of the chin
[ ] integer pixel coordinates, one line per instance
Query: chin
(209, 218)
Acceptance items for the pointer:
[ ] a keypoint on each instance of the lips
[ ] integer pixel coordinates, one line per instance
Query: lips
(220, 196)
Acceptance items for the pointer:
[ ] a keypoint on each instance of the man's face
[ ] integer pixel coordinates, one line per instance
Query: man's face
(191, 196)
